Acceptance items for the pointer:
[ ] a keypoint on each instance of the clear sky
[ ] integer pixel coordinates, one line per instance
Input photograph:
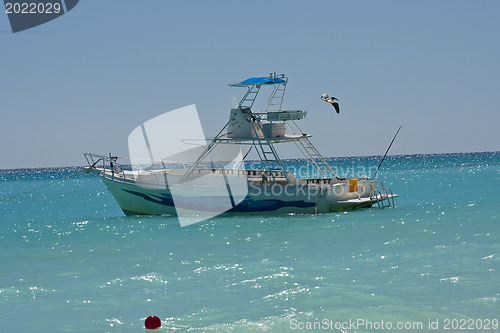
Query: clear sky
(83, 82)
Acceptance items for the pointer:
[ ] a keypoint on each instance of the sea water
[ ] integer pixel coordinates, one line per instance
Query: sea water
(72, 262)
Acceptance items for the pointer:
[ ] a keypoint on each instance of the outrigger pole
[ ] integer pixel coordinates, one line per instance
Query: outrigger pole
(383, 158)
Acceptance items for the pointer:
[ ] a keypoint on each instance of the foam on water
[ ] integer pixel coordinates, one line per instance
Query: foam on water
(71, 262)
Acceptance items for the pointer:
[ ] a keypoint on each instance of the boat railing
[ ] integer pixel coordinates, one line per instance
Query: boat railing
(102, 161)
(281, 115)
(109, 167)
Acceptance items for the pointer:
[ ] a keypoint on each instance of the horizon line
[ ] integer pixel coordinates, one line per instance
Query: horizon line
(331, 157)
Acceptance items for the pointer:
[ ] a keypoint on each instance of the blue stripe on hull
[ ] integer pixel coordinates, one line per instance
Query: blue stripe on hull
(165, 199)
(248, 205)
(269, 205)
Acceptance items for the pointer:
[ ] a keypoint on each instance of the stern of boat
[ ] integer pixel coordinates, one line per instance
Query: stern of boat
(353, 193)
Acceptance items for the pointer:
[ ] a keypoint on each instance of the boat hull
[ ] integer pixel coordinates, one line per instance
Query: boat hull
(136, 199)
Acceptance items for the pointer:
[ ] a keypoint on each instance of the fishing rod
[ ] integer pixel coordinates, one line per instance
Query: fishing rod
(388, 148)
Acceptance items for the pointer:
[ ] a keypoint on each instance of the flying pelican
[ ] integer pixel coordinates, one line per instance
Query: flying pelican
(332, 100)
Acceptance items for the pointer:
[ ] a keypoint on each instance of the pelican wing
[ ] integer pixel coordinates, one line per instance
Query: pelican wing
(336, 106)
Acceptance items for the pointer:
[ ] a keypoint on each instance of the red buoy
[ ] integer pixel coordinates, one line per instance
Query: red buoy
(152, 322)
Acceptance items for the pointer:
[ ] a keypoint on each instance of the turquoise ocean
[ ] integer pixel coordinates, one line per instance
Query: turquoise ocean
(72, 262)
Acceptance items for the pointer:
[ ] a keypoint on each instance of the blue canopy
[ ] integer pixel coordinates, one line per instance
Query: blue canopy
(260, 80)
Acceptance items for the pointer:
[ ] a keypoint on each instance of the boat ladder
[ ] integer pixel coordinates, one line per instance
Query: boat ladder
(250, 97)
(384, 197)
(268, 155)
(277, 96)
(313, 155)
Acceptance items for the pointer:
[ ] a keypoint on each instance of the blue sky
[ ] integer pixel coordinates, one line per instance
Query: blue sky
(84, 81)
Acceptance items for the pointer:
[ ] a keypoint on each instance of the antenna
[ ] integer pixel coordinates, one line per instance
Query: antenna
(383, 158)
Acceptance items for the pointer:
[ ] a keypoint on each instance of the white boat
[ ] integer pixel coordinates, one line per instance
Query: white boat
(201, 187)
